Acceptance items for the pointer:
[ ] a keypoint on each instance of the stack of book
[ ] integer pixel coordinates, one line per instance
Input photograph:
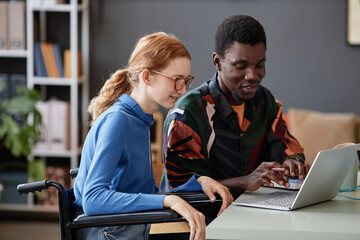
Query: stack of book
(56, 125)
(48, 60)
(51, 61)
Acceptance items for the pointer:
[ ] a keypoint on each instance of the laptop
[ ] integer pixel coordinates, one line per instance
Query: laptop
(322, 182)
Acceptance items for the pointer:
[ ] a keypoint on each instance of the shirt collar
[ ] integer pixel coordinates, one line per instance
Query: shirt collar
(222, 105)
(132, 105)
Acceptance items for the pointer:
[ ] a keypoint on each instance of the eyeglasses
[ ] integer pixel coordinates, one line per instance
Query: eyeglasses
(179, 82)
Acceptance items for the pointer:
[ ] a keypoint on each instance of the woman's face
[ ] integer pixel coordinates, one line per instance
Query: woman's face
(162, 88)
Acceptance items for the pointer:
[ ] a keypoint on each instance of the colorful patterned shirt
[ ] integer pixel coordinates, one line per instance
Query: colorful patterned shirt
(202, 136)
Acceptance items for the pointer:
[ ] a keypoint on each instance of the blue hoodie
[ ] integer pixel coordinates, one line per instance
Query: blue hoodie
(115, 174)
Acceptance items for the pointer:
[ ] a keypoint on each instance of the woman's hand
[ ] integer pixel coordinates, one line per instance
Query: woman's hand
(195, 218)
(210, 187)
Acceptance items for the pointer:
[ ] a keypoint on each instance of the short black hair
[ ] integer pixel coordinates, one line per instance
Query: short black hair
(238, 28)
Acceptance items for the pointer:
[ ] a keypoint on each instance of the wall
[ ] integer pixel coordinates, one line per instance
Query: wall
(309, 62)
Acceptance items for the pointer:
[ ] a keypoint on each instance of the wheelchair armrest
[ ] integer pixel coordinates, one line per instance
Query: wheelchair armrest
(196, 198)
(32, 187)
(39, 186)
(144, 217)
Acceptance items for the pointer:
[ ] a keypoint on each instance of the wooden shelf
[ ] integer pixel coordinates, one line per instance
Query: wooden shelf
(56, 153)
(55, 81)
(57, 7)
(13, 53)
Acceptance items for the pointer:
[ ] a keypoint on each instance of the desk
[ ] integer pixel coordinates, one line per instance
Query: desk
(336, 219)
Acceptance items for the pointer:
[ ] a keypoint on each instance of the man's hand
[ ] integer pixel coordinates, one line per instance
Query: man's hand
(296, 168)
(210, 187)
(263, 175)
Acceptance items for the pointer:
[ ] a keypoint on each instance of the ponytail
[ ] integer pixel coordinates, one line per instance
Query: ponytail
(115, 86)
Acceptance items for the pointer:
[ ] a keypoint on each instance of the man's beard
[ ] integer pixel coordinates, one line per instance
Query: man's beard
(237, 98)
(250, 105)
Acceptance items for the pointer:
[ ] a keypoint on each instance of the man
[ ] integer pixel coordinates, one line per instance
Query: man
(231, 128)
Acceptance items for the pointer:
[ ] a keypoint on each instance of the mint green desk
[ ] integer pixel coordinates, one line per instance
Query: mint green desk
(338, 219)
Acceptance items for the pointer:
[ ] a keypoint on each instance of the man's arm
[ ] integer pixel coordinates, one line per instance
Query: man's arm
(183, 153)
(184, 158)
(286, 146)
(292, 151)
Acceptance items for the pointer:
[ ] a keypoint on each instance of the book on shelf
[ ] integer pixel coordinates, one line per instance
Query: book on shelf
(42, 143)
(40, 69)
(3, 25)
(60, 125)
(16, 24)
(52, 58)
(58, 59)
(49, 59)
(67, 63)
(4, 83)
(15, 81)
(56, 125)
(11, 82)
(59, 174)
(54, 68)
(43, 48)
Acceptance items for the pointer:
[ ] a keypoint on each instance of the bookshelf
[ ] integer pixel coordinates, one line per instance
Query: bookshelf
(78, 13)
(75, 85)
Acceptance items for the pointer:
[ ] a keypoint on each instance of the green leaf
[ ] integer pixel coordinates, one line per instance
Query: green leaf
(36, 170)
(20, 140)
(2, 85)
(19, 105)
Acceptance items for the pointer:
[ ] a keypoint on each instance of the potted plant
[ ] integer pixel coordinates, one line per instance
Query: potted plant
(20, 125)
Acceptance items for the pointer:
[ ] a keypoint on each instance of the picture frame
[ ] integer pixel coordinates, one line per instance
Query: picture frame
(353, 33)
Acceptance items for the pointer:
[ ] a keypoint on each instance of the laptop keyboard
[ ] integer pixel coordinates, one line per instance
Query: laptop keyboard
(281, 201)
(278, 199)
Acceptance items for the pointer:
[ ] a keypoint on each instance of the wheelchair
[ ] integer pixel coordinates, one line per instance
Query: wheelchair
(69, 224)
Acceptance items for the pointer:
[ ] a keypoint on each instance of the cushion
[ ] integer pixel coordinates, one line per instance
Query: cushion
(319, 131)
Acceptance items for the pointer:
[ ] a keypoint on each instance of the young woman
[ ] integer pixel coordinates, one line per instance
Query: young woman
(115, 174)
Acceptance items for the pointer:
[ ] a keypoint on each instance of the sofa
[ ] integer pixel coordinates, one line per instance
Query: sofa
(319, 130)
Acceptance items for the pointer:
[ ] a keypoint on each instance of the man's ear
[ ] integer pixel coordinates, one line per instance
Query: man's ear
(145, 76)
(216, 61)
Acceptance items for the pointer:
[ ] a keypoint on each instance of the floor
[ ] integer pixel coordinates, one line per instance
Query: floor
(29, 230)
(49, 230)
